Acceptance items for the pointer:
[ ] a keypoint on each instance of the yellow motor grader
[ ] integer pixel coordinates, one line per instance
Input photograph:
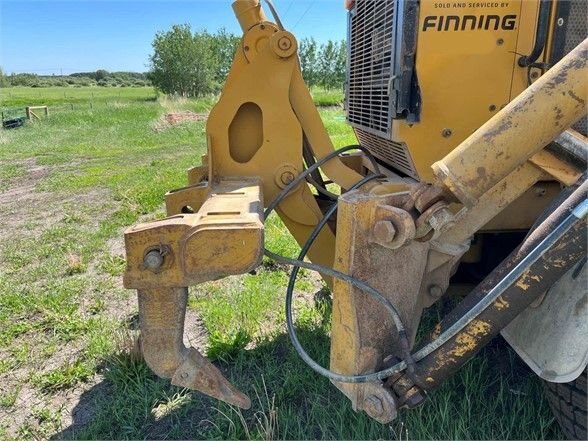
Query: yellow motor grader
(470, 167)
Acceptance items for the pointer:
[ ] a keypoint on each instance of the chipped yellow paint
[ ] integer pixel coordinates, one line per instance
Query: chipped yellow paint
(443, 360)
(436, 331)
(510, 138)
(559, 263)
(468, 340)
(500, 303)
(429, 380)
(478, 327)
(523, 282)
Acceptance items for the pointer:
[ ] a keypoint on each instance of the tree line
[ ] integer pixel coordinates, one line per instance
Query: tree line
(192, 64)
(100, 77)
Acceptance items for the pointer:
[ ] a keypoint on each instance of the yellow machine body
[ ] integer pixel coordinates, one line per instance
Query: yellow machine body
(465, 76)
(466, 67)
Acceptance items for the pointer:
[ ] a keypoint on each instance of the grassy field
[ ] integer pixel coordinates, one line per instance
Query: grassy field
(68, 368)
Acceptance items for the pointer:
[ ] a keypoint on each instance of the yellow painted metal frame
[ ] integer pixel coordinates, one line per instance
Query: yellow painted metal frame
(255, 137)
(465, 77)
(265, 80)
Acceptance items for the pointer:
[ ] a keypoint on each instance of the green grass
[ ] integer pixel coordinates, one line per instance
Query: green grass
(47, 96)
(326, 97)
(69, 326)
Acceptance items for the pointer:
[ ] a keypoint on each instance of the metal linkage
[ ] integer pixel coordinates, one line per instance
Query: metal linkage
(513, 276)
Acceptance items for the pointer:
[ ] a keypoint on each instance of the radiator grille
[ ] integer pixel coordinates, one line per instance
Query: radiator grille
(371, 36)
(576, 33)
(388, 151)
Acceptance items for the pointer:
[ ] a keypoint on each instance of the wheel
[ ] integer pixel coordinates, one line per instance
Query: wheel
(568, 403)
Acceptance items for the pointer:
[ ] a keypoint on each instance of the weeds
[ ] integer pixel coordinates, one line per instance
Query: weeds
(69, 328)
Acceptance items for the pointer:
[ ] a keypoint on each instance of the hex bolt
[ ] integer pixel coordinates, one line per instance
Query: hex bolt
(153, 260)
(284, 43)
(442, 220)
(373, 406)
(384, 231)
(446, 133)
(414, 398)
(287, 177)
(435, 291)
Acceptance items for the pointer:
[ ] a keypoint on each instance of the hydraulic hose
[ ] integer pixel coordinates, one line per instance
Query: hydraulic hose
(547, 243)
(540, 36)
(555, 245)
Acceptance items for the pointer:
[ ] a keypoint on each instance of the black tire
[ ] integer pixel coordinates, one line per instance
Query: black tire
(568, 403)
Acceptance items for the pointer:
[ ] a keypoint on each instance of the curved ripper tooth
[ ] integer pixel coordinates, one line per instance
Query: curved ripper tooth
(198, 373)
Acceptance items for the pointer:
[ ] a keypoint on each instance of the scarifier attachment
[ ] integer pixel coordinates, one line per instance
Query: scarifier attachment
(164, 257)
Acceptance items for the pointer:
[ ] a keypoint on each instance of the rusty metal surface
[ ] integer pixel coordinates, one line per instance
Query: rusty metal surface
(164, 257)
(542, 274)
(161, 318)
(362, 333)
(224, 237)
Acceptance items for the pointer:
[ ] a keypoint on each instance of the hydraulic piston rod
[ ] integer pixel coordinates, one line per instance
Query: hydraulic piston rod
(517, 289)
(531, 121)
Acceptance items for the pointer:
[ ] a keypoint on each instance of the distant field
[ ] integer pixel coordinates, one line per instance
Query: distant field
(29, 96)
(61, 96)
(68, 367)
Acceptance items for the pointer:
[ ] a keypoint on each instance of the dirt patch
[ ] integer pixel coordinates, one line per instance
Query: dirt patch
(27, 211)
(20, 187)
(180, 117)
(174, 118)
(195, 334)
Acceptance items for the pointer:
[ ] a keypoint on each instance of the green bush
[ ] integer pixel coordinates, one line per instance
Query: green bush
(191, 64)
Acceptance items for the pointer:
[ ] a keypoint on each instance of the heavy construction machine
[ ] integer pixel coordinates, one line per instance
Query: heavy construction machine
(470, 170)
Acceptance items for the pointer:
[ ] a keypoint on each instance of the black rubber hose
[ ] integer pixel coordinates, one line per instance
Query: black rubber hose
(541, 35)
(290, 294)
(445, 336)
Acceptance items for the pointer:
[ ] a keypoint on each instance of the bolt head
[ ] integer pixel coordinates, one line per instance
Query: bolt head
(153, 260)
(446, 133)
(284, 43)
(414, 398)
(287, 177)
(384, 231)
(435, 291)
(540, 191)
(373, 406)
(442, 220)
